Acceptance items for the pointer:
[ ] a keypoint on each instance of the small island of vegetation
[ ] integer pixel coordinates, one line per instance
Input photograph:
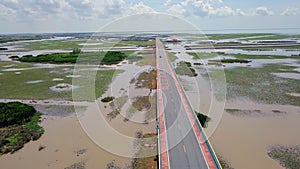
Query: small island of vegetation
(107, 99)
(76, 56)
(185, 69)
(203, 119)
(19, 124)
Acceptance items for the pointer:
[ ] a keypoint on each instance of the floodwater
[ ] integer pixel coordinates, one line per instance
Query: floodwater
(91, 132)
(63, 137)
(276, 52)
(244, 140)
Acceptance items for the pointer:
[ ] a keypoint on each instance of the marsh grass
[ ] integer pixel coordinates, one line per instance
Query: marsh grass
(259, 84)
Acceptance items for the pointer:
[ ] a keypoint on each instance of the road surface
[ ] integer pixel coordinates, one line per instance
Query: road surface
(181, 142)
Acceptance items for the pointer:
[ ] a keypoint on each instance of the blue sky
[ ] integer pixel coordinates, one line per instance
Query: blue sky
(22, 16)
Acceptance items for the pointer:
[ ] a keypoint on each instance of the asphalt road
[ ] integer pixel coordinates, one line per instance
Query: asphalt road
(184, 150)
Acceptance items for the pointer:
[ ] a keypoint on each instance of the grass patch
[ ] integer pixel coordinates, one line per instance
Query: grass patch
(135, 43)
(172, 56)
(261, 85)
(275, 37)
(146, 80)
(13, 139)
(142, 103)
(147, 147)
(148, 58)
(19, 125)
(4, 39)
(202, 55)
(288, 157)
(116, 106)
(185, 69)
(13, 86)
(57, 44)
(232, 36)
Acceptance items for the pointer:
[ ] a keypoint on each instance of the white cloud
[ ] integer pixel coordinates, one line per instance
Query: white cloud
(139, 8)
(290, 12)
(263, 11)
(208, 8)
(222, 12)
(176, 10)
(239, 12)
(71, 9)
(167, 3)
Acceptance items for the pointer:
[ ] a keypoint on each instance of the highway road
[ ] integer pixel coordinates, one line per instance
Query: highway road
(181, 141)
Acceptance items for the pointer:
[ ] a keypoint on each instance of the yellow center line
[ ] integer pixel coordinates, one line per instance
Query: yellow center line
(184, 148)
(175, 110)
(179, 126)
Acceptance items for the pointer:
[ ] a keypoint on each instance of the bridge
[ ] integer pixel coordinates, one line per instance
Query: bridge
(182, 142)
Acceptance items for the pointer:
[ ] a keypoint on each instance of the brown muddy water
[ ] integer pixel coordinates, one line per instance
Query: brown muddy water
(88, 137)
(63, 137)
(244, 140)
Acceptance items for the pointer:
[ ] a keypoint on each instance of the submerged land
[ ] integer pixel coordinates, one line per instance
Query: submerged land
(54, 72)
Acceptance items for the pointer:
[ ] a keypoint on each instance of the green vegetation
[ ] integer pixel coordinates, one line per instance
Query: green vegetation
(259, 84)
(204, 55)
(275, 37)
(15, 113)
(19, 124)
(288, 157)
(107, 99)
(146, 80)
(55, 44)
(110, 57)
(172, 56)
(245, 56)
(234, 61)
(135, 43)
(148, 58)
(4, 39)
(185, 69)
(198, 64)
(74, 43)
(147, 149)
(116, 107)
(269, 48)
(252, 36)
(142, 103)
(232, 36)
(203, 119)
(14, 86)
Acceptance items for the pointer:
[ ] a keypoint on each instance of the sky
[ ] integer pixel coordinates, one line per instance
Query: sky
(50, 16)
